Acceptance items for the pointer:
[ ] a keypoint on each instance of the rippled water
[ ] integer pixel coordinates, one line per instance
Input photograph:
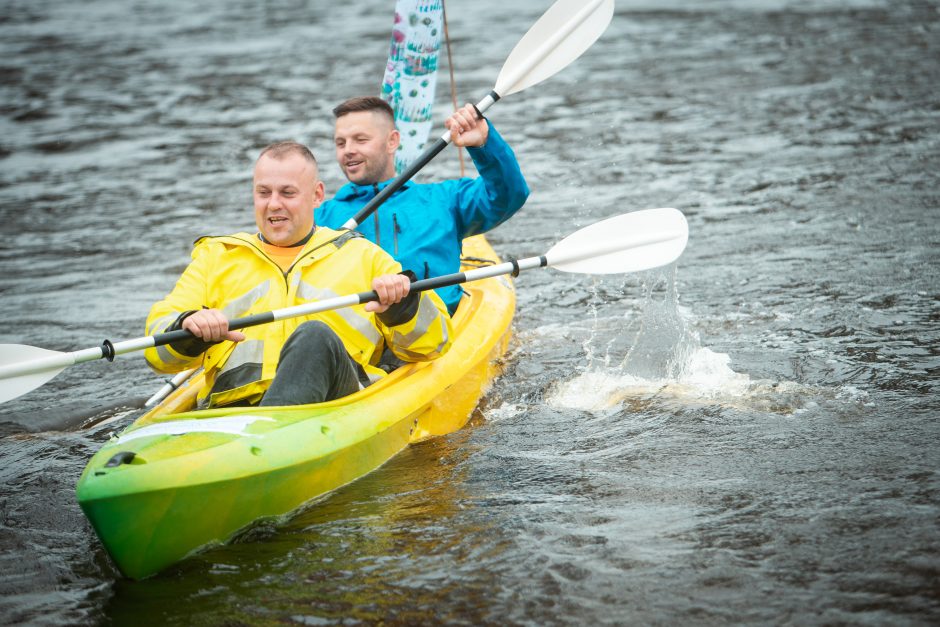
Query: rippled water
(747, 437)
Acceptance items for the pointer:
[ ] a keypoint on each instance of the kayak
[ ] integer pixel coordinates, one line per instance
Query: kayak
(178, 480)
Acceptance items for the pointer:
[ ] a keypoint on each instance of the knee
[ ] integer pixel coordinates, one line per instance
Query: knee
(315, 333)
(313, 328)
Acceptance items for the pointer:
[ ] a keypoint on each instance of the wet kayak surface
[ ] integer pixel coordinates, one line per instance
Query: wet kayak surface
(748, 436)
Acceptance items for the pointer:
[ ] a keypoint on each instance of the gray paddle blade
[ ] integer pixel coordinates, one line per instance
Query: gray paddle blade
(25, 368)
(626, 243)
(560, 36)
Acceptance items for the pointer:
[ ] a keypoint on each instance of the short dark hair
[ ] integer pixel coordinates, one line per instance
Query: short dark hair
(364, 103)
(279, 150)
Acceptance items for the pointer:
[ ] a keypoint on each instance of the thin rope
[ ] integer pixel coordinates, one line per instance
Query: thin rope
(453, 83)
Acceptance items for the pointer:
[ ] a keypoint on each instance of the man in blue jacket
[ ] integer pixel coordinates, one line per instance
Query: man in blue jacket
(421, 225)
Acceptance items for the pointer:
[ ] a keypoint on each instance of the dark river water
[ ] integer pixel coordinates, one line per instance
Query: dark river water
(749, 436)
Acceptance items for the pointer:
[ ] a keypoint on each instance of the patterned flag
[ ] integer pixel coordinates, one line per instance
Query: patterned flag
(411, 74)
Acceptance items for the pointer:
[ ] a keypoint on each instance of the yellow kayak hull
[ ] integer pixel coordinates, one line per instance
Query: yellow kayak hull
(178, 480)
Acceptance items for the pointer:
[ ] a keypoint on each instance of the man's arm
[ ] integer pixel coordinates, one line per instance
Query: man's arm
(483, 203)
(416, 326)
(184, 308)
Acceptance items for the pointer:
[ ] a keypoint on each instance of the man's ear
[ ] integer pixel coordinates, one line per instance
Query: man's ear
(319, 193)
(394, 138)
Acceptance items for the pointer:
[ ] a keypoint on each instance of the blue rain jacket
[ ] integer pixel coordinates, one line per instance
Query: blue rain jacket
(422, 225)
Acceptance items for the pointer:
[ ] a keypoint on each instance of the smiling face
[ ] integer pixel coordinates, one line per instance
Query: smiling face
(286, 191)
(366, 142)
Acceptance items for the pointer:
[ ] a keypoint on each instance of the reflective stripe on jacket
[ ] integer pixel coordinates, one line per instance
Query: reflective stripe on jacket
(233, 274)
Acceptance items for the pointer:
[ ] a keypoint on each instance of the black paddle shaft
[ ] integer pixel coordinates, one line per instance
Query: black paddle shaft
(161, 339)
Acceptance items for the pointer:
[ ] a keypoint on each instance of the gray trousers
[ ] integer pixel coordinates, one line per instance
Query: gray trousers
(314, 367)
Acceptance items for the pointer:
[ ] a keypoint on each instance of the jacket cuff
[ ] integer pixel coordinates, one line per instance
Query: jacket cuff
(490, 150)
(405, 309)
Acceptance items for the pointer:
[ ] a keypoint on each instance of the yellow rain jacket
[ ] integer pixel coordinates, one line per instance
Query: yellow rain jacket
(234, 275)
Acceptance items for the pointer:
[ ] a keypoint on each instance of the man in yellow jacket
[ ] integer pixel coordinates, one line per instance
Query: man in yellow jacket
(291, 261)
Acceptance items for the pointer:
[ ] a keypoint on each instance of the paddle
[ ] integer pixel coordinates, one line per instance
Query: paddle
(626, 243)
(169, 387)
(84, 412)
(560, 36)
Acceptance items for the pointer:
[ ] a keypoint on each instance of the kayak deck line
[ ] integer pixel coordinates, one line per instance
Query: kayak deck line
(234, 425)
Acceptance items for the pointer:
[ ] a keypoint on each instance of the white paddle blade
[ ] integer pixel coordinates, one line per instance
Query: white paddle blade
(626, 243)
(561, 35)
(25, 368)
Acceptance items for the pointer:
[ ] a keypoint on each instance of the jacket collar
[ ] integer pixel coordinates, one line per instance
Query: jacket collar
(317, 247)
(350, 191)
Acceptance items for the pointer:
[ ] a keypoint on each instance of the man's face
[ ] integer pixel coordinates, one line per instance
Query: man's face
(365, 146)
(286, 191)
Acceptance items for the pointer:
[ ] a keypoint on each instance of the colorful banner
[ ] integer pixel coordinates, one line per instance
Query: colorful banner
(411, 74)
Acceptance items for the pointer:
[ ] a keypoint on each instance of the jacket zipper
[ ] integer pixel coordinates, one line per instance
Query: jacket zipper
(375, 216)
(395, 231)
(286, 274)
(264, 255)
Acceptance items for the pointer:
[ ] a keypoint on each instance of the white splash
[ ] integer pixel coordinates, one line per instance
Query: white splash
(503, 412)
(654, 351)
(710, 373)
(707, 376)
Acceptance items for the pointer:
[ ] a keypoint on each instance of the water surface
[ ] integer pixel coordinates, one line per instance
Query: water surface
(746, 437)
